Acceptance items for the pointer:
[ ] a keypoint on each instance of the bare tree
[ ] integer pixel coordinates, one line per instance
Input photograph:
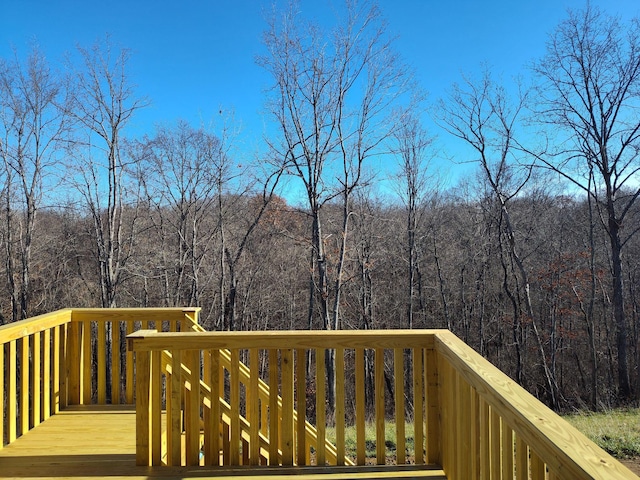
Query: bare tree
(331, 98)
(183, 170)
(481, 115)
(104, 102)
(414, 180)
(590, 92)
(33, 120)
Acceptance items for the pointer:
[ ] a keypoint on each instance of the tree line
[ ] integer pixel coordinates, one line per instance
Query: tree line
(532, 261)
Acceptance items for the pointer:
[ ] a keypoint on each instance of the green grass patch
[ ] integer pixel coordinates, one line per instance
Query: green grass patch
(616, 431)
(370, 440)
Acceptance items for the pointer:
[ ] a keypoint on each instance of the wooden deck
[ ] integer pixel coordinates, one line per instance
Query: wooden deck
(99, 441)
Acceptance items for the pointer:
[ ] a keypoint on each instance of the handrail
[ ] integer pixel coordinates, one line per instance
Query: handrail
(504, 416)
(60, 358)
(32, 365)
(295, 450)
(469, 417)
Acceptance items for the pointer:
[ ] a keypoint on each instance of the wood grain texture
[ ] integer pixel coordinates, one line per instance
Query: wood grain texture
(24, 385)
(398, 375)
(287, 406)
(564, 449)
(12, 406)
(307, 339)
(381, 456)
(360, 410)
(130, 314)
(301, 405)
(418, 409)
(340, 407)
(40, 323)
(143, 374)
(86, 363)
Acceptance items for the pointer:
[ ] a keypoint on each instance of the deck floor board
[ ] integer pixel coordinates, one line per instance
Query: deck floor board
(89, 442)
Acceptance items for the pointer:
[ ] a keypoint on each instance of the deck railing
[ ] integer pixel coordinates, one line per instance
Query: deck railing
(465, 414)
(71, 357)
(251, 398)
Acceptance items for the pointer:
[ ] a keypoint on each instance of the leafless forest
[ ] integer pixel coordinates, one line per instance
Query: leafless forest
(533, 260)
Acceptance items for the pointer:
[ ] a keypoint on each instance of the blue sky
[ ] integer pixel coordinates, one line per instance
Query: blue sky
(194, 57)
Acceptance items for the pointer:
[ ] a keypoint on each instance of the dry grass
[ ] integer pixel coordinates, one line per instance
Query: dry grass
(616, 431)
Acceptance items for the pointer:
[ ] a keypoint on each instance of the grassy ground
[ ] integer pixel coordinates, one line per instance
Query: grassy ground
(370, 440)
(616, 431)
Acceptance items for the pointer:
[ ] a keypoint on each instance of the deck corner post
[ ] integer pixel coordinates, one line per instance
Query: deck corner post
(143, 406)
(433, 419)
(190, 318)
(74, 363)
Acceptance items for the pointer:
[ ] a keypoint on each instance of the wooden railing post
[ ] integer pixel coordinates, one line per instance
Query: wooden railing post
(147, 404)
(143, 406)
(190, 317)
(74, 363)
(434, 452)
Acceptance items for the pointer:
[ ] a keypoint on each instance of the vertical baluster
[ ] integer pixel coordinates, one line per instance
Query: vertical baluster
(537, 466)
(174, 422)
(418, 414)
(443, 371)
(86, 363)
(156, 409)
(494, 433)
(214, 418)
(449, 422)
(398, 386)
(287, 407)
(474, 402)
(24, 386)
(226, 445)
(274, 418)
(192, 406)
(46, 374)
(507, 451)
(433, 408)
(381, 454)
(102, 362)
(235, 407)
(485, 462)
(36, 379)
(206, 411)
(12, 393)
(73, 363)
(254, 408)
(143, 380)
(116, 374)
(463, 406)
(301, 405)
(340, 401)
(63, 395)
(360, 410)
(320, 406)
(129, 387)
(522, 459)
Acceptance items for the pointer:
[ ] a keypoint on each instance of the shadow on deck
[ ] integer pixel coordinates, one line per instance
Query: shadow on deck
(98, 441)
